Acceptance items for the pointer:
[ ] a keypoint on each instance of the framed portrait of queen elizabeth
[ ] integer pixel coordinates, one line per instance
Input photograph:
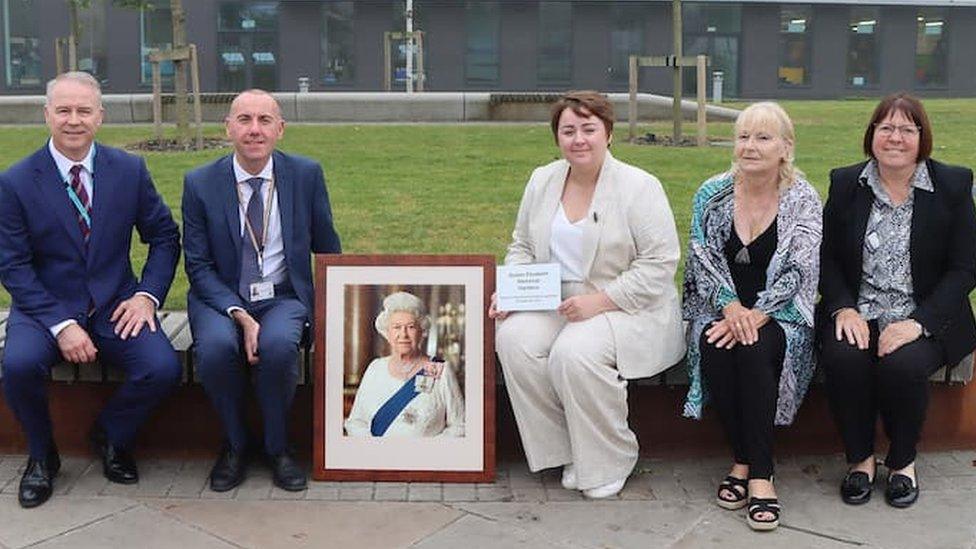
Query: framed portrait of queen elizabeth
(404, 368)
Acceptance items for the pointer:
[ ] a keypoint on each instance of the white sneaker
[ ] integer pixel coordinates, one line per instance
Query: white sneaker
(569, 477)
(605, 491)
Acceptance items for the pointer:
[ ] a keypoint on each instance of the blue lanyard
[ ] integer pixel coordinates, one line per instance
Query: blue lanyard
(82, 211)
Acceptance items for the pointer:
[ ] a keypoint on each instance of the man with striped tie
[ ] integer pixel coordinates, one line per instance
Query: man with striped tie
(251, 220)
(66, 218)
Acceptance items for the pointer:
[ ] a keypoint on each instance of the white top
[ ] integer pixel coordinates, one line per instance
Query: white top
(274, 268)
(439, 412)
(566, 246)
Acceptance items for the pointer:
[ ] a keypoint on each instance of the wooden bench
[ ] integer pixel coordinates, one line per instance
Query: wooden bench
(176, 326)
(185, 423)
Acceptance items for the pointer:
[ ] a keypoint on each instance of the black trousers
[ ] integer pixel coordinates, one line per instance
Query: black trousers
(743, 384)
(860, 386)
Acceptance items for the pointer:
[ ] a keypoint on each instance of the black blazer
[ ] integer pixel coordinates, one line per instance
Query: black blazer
(942, 248)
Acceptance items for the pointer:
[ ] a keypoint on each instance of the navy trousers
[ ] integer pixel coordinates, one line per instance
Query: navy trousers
(151, 368)
(223, 370)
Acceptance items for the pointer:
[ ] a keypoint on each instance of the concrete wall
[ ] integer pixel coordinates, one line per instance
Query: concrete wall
(444, 107)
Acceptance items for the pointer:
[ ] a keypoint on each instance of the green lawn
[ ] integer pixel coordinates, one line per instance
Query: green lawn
(456, 188)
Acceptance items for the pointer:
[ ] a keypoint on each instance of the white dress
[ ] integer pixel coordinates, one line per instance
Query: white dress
(439, 412)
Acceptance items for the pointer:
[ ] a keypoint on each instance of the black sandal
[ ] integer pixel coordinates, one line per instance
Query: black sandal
(763, 505)
(731, 485)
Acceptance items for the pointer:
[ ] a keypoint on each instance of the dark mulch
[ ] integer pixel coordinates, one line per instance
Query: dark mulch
(174, 145)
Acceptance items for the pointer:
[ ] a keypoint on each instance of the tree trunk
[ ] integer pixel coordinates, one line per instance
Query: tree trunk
(74, 28)
(179, 41)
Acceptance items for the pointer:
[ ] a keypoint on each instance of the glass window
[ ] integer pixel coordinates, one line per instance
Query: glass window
(21, 44)
(794, 43)
(482, 21)
(247, 46)
(862, 48)
(626, 37)
(711, 18)
(713, 30)
(399, 46)
(92, 56)
(338, 43)
(156, 34)
(931, 48)
(240, 16)
(555, 60)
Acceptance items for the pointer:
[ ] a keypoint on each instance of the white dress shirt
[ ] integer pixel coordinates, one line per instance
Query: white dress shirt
(87, 175)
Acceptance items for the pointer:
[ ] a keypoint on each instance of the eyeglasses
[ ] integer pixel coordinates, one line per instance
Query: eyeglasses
(887, 130)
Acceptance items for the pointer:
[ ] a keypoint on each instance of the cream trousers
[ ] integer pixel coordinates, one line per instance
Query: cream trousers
(569, 401)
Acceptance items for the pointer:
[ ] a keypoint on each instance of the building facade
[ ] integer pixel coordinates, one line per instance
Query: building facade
(781, 49)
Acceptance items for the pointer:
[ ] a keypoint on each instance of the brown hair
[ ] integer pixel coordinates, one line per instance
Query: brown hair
(583, 103)
(912, 108)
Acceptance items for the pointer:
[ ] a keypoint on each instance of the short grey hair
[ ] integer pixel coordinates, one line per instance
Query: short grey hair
(81, 77)
(402, 302)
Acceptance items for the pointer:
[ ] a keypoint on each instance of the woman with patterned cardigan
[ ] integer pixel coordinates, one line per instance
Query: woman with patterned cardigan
(749, 289)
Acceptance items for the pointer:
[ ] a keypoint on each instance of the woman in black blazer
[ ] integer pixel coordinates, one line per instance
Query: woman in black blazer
(898, 261)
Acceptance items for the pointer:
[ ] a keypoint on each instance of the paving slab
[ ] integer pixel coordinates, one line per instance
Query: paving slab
(138, 526)
(273, 524)
(597, 523)
(23, 527)
(475, 532)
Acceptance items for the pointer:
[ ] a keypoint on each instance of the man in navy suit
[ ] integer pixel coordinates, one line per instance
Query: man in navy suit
(251, 220)
(66, 219)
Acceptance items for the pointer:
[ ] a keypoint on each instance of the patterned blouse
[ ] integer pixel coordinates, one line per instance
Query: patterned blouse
(886, 280)
(788, 298)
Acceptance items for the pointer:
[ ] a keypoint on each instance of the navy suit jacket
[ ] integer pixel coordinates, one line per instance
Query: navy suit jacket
(212, 228)
(44, 263)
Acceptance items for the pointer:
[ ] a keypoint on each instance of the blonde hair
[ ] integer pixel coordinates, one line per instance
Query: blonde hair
(770, 114)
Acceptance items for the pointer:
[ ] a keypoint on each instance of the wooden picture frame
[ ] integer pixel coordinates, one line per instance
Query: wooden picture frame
(437, 437)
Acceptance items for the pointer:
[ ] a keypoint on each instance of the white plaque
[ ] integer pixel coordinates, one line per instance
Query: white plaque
(533, 287)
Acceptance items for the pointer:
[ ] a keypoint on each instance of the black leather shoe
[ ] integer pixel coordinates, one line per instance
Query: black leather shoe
(38, 480)
(117, 464)
(229, 470)
(856, 488)
(902, 491)
(286, 474)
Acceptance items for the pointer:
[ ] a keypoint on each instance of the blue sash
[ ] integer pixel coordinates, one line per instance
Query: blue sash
(391, 408)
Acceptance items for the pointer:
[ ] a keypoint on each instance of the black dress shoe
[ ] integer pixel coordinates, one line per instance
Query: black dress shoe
(117, 464)
(229, 470)
(286, 474)
(38, 480)
(856, 488)
(902, 491)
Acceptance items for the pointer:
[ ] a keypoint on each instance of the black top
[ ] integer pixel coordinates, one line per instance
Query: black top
(748, 263)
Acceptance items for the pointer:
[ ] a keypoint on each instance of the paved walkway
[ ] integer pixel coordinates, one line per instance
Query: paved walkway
(667, 503)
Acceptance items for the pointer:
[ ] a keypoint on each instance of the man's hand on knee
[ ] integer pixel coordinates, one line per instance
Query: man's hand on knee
(250, 328)
(132, 314)
(75, 345)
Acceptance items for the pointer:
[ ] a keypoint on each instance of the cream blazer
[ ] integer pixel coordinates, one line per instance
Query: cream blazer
(630, 251)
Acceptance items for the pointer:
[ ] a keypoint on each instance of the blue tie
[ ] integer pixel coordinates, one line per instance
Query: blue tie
(250, 273)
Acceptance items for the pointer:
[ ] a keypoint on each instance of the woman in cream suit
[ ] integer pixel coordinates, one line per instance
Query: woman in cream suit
(609, 227)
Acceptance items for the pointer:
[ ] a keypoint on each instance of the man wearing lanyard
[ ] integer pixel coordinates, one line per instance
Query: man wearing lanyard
(251, 220)
(66, 218)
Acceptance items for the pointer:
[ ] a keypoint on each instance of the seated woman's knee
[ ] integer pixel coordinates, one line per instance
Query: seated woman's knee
(513, 336)
(903, 366)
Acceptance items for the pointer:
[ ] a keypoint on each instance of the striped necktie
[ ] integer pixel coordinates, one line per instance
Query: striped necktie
(250, 270)
(82, 195)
